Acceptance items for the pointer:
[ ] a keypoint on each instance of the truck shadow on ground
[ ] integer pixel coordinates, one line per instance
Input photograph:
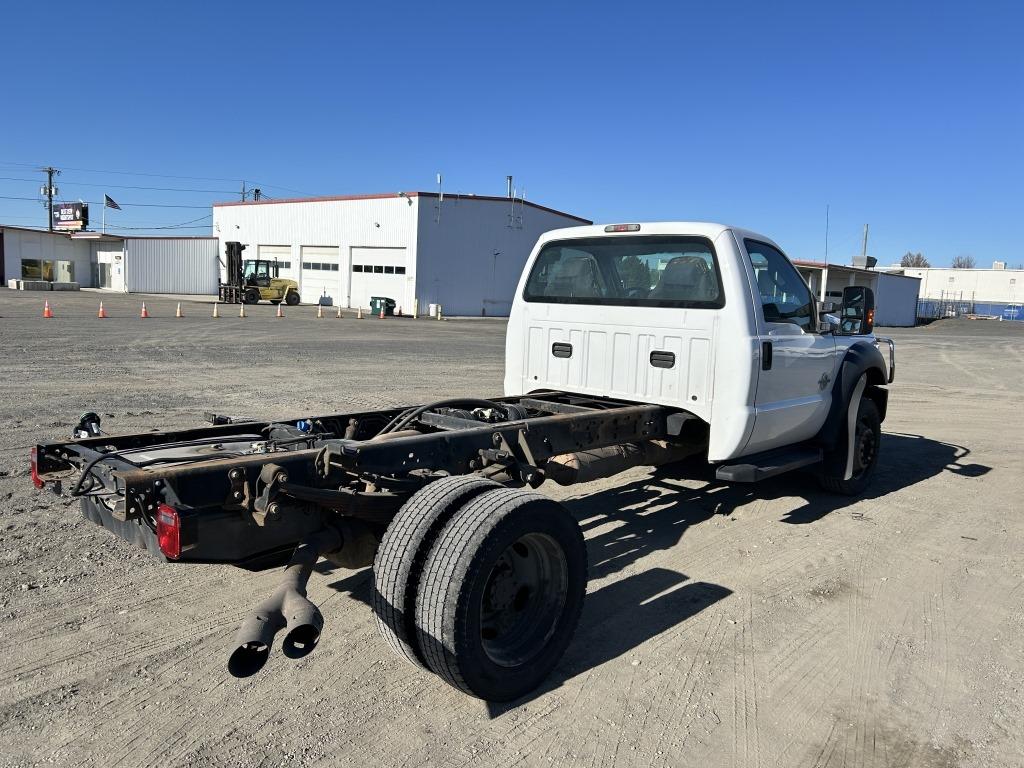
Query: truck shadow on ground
(627, 523)
(653, 513)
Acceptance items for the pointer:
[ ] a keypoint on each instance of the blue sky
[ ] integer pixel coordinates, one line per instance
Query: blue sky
(909, 116)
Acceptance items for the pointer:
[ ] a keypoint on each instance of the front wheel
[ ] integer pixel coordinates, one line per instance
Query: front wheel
(251, 296)
(501, 593)
(867, 440)
(291, 298)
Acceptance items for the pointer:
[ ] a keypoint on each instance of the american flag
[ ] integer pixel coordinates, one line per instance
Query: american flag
(108, 202)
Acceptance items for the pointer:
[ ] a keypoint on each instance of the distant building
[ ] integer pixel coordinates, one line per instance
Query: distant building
(45, 259)
(895, 294)
(464, 252)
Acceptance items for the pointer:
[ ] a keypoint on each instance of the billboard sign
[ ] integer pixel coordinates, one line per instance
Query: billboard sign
(74, 216)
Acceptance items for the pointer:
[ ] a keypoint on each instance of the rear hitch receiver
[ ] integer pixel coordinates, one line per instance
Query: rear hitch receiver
(287, 608)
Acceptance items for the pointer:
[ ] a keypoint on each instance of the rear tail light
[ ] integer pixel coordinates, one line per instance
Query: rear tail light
(33, 455)
(168, 531)
(622, 228)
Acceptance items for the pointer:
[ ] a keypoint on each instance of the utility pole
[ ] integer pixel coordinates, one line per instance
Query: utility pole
(49, 192)
(243, 190)
(826, 233)
(864, 247)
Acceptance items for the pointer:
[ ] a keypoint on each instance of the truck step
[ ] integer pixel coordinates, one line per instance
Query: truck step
(759, 466)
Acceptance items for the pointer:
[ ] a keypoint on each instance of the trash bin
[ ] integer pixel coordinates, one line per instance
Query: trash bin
(379, 302)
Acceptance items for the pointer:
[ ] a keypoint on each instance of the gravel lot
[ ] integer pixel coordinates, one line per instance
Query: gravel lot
(749, 626)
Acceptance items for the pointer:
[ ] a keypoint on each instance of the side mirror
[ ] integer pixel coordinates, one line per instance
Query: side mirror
(827, 320)
(858, 314)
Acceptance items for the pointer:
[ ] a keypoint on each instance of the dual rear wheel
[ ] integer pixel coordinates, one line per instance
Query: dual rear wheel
(481, 584)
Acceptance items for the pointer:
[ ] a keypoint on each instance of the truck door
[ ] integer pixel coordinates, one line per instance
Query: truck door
(798, 364)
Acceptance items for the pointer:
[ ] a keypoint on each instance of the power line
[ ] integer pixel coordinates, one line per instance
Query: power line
(132, 205)
(152, 175)
(126, 173)
(125, 186)
(182, 225)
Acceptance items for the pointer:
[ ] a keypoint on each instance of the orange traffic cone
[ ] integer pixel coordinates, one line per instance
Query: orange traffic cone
(400, 311)
(359, 313)
(215, 312)
(102, 313)
(319, 310)
(339, 312)
(381, 311)
(241, 310)
(280, 311)
(144, 313)
(178, 312)
(47, 312)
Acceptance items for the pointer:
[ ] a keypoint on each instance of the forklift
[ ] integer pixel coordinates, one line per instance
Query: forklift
(253, 280)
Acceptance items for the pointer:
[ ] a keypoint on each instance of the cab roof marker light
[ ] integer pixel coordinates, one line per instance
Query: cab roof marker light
(622, 228)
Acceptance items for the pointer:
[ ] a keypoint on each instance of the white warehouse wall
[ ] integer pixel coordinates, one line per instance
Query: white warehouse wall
(29, 244)
(456, 263)
(991, 285)
(896, 300)
(171, 265)
(347, 224)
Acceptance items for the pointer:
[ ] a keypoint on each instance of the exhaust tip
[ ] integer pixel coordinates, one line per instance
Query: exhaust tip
(300, 641)
(248, 659)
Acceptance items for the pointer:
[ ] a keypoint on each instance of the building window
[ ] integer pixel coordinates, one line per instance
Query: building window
(357, 267)
(334, 267)
(378, 269)
(285, 264)
(389, 270)
(399, 270)
(31, 269)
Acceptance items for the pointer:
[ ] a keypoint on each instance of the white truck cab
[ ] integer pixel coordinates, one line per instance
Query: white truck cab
(708, 318)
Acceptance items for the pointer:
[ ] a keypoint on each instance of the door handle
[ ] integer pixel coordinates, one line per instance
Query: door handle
(561, 349)
(663, 359)
(766, 355)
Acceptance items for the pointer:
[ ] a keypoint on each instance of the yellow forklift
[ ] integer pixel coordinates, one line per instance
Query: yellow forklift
(250, 281)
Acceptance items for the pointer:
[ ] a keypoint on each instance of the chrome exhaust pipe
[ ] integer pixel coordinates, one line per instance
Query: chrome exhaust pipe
(287, 608)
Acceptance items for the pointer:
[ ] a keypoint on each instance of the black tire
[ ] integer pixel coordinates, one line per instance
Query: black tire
(501, 593)
(251, 296)
(291, 298)
(275, 302)
(403, 550)
(866, 444)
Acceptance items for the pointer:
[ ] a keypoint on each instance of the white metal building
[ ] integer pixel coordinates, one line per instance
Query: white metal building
(464, 252)
(124, 264)
(895, 295)
(981, 285)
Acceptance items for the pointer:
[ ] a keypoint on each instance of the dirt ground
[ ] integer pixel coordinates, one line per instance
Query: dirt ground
(770, 625)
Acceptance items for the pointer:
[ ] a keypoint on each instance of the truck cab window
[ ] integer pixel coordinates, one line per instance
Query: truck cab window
(785, 297)
(655, 271)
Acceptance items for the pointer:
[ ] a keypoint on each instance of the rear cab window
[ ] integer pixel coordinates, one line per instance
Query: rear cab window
(632, 271)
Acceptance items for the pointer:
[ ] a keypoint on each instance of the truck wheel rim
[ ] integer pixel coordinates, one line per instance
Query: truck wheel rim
(523, 599)
(865, 447)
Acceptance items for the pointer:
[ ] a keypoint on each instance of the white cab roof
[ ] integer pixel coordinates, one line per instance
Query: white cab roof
(707, 229)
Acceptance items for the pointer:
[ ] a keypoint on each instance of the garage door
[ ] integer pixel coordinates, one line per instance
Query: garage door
(380, 272)
(321, 274)
(282, 254)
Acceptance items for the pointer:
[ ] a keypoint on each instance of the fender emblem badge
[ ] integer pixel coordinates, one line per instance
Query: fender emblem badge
(824, 380)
